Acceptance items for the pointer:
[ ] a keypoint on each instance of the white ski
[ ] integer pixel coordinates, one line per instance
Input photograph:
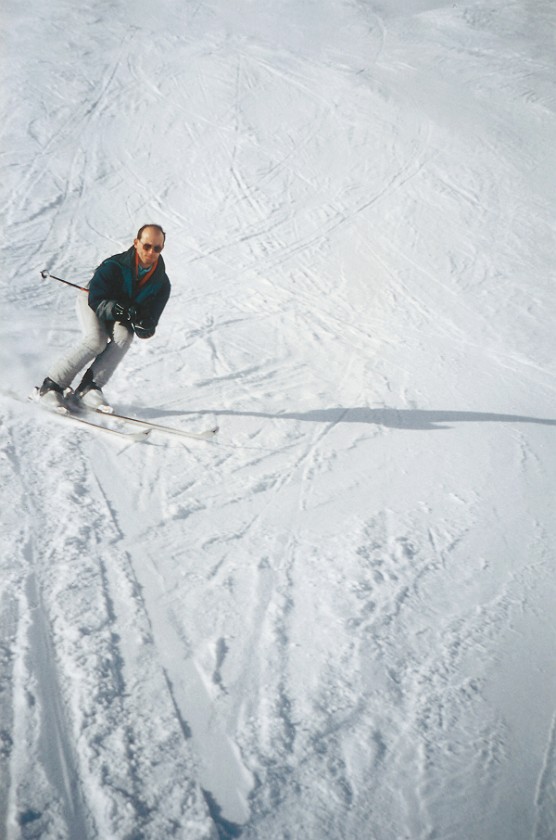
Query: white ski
(121, 433)
(68, 414)
(208, 434)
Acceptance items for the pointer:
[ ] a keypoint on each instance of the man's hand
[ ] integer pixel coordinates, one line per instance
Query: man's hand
(144, 328)
(120, 312)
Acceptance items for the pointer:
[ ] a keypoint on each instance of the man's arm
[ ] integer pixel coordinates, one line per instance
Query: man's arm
(106, 295)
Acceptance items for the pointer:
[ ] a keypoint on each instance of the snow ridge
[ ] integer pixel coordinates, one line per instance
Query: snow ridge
(545, 798)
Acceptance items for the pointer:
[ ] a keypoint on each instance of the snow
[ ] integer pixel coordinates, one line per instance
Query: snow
(337, 619)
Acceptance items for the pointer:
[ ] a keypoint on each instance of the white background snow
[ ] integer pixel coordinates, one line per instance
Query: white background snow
(337, 620)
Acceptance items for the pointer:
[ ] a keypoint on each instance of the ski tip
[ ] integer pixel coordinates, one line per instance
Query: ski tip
(209, 434)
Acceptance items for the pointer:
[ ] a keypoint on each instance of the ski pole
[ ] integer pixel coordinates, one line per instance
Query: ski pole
(45, 274)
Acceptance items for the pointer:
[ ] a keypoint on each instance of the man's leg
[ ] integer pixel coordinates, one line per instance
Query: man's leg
(106, 363)
(93, 343)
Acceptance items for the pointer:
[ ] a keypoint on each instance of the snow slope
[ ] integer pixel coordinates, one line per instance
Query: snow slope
(336, 621)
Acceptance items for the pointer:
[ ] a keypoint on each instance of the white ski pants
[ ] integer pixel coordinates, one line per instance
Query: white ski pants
(105, 350)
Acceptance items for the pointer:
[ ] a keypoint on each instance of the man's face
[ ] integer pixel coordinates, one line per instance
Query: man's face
(149, 246)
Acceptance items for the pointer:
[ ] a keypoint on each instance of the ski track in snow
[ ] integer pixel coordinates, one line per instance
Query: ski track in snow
(336, 620)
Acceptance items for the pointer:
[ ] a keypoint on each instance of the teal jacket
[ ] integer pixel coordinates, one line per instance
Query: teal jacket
(115, 279)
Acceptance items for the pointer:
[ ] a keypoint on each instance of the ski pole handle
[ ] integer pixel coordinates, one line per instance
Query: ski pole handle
(45, 274)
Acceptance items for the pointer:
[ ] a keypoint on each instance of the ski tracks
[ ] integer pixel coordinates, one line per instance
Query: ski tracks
(42, 792)
(103, 738)
(69, 158)
(545, 798)
(215, 653)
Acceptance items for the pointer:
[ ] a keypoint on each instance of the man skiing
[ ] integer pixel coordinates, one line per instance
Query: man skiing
(126, 297)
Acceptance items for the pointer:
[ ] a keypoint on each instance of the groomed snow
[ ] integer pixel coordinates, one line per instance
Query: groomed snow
(337, 620)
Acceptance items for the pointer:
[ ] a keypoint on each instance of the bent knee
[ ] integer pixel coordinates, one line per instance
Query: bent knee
(122, 336)
(95, 344)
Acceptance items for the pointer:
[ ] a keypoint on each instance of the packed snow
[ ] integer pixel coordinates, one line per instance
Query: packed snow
(337, 620)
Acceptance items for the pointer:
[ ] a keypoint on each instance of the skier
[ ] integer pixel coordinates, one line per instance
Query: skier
(126, 297)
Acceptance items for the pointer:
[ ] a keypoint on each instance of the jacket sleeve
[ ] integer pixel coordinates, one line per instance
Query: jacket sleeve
(105, 286)
(151, 309)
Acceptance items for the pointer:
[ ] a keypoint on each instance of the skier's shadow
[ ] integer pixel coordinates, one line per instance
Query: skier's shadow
(393, 418)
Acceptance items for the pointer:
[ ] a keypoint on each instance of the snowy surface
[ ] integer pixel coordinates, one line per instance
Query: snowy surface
(338, 620)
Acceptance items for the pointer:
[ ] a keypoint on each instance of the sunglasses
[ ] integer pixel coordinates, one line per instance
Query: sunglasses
(147, 247)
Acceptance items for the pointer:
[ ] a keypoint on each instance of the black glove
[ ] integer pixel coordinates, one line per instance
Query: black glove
(121, 312)
(145, 328)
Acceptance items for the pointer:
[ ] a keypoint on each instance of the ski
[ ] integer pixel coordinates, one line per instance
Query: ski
(76, 412)
(207, 434)
(121, 433)
(67, 413)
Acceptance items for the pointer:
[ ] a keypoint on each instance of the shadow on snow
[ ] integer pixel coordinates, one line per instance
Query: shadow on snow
(393, 418)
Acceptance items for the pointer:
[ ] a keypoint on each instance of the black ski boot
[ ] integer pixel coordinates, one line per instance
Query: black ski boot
(52, 394)
(89, 393)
